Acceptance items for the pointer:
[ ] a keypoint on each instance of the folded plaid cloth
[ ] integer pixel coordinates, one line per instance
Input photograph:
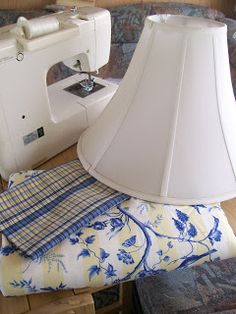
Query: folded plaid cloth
(42, 211)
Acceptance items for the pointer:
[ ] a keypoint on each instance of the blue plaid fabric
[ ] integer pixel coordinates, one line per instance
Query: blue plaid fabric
(42, 211)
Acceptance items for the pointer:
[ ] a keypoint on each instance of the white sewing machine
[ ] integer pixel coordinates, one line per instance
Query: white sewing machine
(38, 121)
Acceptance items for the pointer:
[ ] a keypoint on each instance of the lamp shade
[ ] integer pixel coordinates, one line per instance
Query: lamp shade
(169, 133)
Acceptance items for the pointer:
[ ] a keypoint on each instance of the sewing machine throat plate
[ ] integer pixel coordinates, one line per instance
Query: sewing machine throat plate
(78, 90)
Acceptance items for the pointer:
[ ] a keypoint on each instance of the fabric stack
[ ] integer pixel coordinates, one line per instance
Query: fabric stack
(132, 240)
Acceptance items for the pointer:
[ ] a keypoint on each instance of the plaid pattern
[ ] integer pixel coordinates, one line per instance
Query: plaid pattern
(42, 211)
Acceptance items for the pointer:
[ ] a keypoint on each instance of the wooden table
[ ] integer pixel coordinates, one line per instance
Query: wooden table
(76, 301)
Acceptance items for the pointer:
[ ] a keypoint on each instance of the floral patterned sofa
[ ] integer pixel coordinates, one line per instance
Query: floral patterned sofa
(127, 24)
(128, 21)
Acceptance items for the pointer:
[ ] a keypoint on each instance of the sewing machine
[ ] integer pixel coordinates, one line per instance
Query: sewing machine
(38, 121)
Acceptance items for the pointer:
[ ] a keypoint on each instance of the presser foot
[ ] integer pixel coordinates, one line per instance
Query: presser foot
(78, 89)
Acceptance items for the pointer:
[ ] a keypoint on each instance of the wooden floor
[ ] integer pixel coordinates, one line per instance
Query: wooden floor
(230, 211)
(37, 303)
(19, 305)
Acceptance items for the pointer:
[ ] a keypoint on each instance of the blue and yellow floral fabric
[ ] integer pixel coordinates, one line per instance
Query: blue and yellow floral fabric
(134, 240)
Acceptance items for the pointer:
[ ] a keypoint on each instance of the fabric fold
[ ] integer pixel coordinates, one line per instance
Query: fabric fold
(41, 212)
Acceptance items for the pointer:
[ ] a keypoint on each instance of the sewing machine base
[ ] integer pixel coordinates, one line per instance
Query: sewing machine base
(68, 116)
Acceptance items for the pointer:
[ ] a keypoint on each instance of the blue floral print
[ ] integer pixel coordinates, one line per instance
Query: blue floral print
(134, 240)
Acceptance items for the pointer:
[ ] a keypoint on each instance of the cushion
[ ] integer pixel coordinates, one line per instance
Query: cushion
(231, 35)
(134, 240)
(11, 16)
(120, 57)
(128, 20)
(231, 31)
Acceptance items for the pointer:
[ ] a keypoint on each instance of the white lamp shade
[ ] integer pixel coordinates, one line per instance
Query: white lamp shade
(169, 133)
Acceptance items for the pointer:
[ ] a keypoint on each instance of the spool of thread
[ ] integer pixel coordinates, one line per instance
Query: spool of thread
(38, 26)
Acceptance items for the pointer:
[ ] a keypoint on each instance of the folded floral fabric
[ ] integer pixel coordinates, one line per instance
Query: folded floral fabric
(133, 240)
(44, 210)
